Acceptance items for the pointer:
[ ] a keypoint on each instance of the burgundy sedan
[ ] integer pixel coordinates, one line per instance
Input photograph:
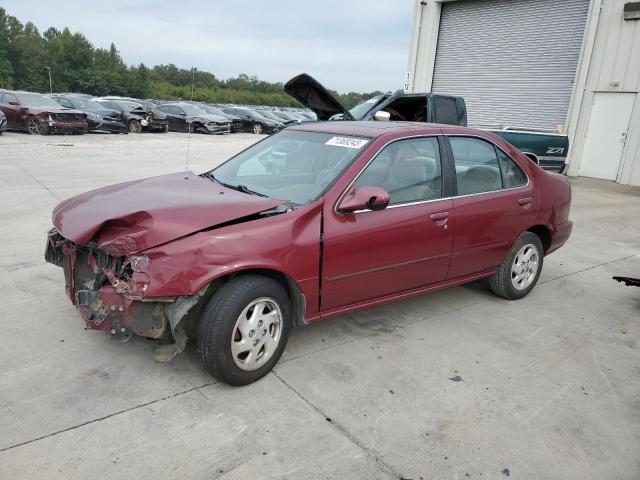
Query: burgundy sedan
(40, 115)
(315, 221)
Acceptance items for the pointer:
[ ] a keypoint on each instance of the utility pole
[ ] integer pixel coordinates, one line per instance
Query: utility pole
(50, 84)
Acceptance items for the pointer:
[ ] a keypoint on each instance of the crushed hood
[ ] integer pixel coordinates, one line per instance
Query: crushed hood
(134, 216)
(308, 91)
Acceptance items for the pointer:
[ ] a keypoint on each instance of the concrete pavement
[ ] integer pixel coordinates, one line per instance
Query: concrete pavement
(456, 384)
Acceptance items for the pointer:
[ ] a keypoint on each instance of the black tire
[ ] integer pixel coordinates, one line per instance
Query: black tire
(258, 128)
(165, 129)
(218, 324)
(135, 126)
(502, 283)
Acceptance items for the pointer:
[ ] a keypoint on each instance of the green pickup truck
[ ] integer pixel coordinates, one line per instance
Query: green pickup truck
(549, 150)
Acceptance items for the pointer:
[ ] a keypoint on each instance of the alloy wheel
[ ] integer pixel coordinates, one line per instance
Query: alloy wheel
(135, 127)
(257, 128)
(524, 268)
(35, 126)
(256, 334)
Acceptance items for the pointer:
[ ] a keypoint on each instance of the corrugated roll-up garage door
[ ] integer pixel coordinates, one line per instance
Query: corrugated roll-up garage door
(514, 61)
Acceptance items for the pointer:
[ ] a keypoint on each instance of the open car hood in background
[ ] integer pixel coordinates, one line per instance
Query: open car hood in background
(308, 91)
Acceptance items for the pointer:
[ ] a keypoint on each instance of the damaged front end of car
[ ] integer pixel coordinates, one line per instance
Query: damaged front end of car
(109, 293)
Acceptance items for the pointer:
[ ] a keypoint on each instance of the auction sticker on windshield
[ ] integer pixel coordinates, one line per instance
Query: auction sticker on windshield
(348, 142)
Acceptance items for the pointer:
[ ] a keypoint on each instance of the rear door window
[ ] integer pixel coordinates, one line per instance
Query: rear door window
(476, 163)
(481, 167)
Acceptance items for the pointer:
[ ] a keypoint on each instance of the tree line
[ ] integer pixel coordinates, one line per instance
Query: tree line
(77, 66)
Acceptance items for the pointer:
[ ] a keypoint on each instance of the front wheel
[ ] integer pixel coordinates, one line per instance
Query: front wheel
(135, 126)
(36, 127)
(244, 329)
(520, 270)
(258, 128)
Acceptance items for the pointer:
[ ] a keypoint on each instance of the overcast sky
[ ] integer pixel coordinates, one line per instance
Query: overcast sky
(358, 45)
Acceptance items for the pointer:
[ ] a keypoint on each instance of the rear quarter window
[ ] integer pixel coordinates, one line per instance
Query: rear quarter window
(512, 174)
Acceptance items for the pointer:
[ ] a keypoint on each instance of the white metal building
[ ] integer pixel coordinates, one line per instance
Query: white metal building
(570, 65)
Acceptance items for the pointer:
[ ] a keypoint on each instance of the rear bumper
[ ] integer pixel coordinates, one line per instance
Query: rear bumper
(560, 236)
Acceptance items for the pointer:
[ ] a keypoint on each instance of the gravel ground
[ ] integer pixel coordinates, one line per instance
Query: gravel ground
(455, 384)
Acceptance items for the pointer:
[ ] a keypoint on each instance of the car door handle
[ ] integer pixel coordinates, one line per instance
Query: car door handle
(440, 218)
(525, 201)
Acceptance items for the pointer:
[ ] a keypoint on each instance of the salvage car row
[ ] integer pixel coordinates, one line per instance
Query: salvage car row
(76, 113)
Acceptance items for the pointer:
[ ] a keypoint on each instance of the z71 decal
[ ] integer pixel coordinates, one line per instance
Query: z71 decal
(555, 150)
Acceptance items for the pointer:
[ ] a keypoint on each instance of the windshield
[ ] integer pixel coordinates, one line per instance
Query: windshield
(256, 115)
(213, 110)
(282, 116)
(86, 103)
(362, 108)
(130, 105)
(36, 100)
(291, 165)
(268, 114)
(192, 109)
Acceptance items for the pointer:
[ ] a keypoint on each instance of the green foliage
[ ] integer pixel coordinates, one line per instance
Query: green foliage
(77, 66)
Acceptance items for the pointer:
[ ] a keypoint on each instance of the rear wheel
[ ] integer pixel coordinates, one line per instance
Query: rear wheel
(135, 126)
(36, 127)
(520, 270)
(244, 329)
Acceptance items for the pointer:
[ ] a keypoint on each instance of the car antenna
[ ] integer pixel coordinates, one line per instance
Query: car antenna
(193, 83)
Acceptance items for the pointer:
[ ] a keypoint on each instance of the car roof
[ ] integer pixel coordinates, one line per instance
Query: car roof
(368, 128)
(374, 129)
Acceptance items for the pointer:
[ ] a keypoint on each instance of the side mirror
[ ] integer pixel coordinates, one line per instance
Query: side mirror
(382, 116)
(14, 103)
(364, 198)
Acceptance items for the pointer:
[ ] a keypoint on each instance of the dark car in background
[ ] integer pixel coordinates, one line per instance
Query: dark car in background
(259, 124)
(265, 112)
(287, 118)
(236, 122)
(39, 115)
(3, 122)
(187, 117)
(98, 116)
(136, 117)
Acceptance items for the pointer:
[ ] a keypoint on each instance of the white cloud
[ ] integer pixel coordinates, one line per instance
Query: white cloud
(355, 45)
